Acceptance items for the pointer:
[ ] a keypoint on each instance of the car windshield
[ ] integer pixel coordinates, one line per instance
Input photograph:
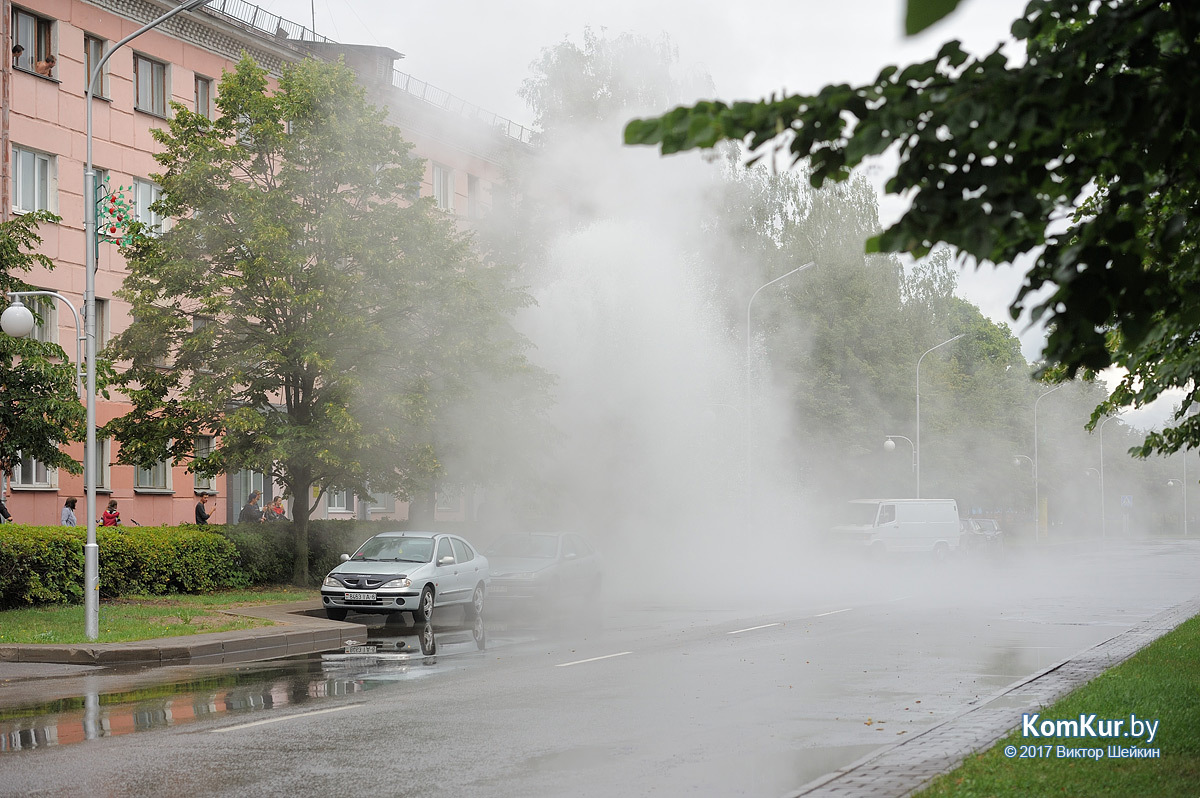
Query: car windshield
(534, 547)
(861, 513)
(396, 549)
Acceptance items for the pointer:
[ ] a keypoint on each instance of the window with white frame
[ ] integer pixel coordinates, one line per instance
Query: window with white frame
(33, 180)
(443, 187)
(382, 502)
(34, 33)
(473, 207)
(93, 52)
(150, 85)
(102, 460)
(45, 325)
(32, 473)
(200, 483)
(204, 97)
(156, 477)
(339, 501)
(146, 194)
(101, 322)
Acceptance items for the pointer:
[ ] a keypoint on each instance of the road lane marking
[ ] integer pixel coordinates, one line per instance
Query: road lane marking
(832, 612)
(285, 717)
(753, 628)
(593, 659)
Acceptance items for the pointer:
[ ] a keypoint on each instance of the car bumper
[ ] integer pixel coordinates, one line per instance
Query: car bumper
(382, 601)
(517, 589)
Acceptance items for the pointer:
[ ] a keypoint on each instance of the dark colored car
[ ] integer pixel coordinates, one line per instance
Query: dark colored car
(543, 566)
(981, 534)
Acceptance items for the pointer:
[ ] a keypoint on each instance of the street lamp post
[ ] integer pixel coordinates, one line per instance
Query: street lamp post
(889, 445)
(750, 415)
(1184, 486)
(91, 552)
(1103, 508)
(917, 446)
(1037, 500)
(17, 321)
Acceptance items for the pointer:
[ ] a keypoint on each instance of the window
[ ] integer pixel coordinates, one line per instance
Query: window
(444, 550)
(45, 327)
(204, 97)
(448, 500)
(887, 514)
(145, 194)
(381, 502)
(339, 501)
(93, 51)
(31, 473)
(443, 187)
(33, 178)
(472, 197)
(200, 483)
(156, 477)
(103, 449)
(33, 33)
(461, 552)
(150, 85)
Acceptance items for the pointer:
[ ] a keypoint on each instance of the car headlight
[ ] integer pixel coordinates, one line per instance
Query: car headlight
(331, 582)
(396, 583)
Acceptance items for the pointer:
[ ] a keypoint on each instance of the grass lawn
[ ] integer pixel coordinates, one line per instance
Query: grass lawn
(1160, 683)
(143, 617)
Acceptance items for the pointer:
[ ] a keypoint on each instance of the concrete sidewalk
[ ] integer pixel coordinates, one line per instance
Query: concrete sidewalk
(907, 767)
(299, 627)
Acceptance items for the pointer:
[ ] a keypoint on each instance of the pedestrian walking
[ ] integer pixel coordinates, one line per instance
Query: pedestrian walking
(111, 517)
(5, 518)
(251, 513)
(68, 512)
(202, 513)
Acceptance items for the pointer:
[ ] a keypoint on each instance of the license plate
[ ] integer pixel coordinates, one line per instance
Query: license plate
(360, 597)
(497, 590)
(361, 649)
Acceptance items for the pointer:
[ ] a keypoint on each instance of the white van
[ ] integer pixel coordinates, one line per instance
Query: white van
(903, 525)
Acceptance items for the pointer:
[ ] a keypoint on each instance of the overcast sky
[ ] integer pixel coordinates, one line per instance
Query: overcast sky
(481, 51)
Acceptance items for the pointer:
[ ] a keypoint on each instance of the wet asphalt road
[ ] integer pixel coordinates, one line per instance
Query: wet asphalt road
(661, 697)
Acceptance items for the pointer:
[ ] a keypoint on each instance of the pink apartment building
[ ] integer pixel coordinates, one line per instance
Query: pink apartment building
(43, 132)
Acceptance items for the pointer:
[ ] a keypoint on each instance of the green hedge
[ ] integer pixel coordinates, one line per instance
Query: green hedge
(44, 565)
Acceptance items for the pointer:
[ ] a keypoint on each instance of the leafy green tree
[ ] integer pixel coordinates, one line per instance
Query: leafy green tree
(998, 157)
(305, 306)
(40, 411)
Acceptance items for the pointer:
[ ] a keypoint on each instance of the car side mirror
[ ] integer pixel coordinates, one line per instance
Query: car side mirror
(343, 557)
(447, 560)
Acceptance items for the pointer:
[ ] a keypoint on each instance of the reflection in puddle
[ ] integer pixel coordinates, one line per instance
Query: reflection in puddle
(389, 656)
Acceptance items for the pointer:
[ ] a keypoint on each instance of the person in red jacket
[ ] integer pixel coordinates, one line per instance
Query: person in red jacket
(111, 517)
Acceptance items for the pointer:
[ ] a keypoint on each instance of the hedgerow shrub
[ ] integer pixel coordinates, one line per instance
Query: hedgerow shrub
(44, 565)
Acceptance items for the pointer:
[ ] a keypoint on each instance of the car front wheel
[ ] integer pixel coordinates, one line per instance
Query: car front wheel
(475, 608)
(424, 610)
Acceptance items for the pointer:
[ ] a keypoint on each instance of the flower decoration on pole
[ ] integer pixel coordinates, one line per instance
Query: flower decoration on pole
(114, 214)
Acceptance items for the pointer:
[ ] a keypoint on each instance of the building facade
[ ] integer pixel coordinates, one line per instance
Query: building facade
(43, 137)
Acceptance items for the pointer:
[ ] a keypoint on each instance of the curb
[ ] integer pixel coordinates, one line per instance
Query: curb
(301, 633)
(906, 767)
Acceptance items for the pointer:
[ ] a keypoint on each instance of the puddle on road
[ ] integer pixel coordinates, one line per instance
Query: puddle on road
(389, 655)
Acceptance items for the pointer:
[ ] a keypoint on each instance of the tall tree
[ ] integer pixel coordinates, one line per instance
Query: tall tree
(40, 411)
(305, 306)
(998, 158)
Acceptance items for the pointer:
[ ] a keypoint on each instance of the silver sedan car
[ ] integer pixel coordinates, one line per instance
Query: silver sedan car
(414, 572)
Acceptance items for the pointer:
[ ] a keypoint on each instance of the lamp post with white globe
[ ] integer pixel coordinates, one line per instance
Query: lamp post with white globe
(889, 445)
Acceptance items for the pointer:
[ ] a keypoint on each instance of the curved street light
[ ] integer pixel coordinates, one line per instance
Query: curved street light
(749, 414)
(889, 445)
(1103, 503)
(91, 552)
(1037, 501)
(917, 445)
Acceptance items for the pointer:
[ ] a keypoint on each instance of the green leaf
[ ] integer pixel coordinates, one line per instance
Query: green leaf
(920, 14)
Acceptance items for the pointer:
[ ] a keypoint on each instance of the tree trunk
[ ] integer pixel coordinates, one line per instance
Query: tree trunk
(301, 490)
